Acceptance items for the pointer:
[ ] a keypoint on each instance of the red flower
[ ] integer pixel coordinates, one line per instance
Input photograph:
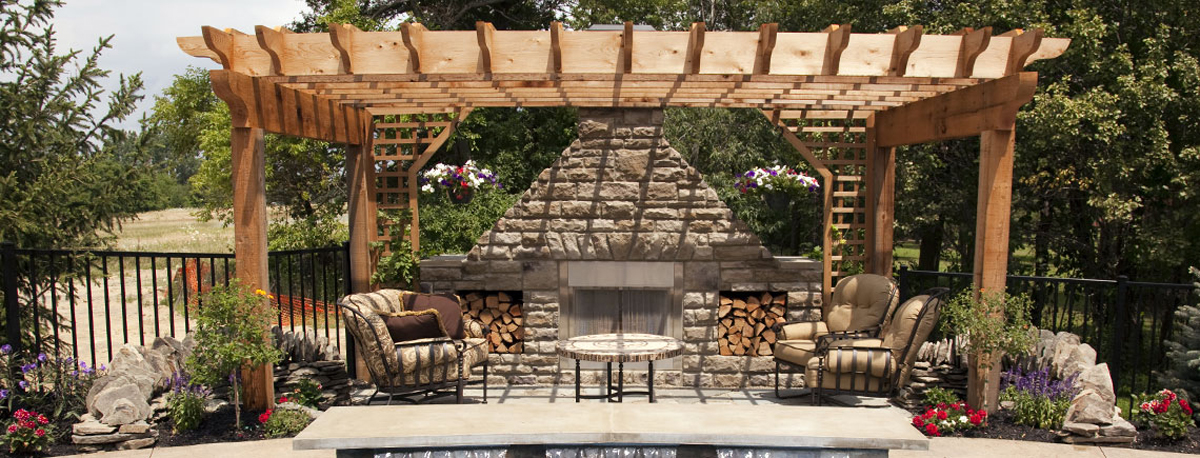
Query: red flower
(265, 416)
(932, 430)
(941, 415)
(12, 428)
(42, 420)
(941, 405)
(40, 432)
(1186, 408)
(283, 399)
(918, 422)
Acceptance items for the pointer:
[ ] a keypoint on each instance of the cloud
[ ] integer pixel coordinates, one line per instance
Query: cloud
(144, 33)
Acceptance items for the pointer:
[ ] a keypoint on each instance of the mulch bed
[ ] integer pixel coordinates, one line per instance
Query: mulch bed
(1001, 426)
(216, 427)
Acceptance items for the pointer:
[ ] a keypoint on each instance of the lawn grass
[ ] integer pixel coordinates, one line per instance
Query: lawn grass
(174, 230)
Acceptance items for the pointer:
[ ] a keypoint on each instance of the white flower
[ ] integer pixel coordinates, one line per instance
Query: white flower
(962, 419)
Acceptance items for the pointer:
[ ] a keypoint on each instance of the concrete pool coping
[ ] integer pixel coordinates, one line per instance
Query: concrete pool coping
(466, 426)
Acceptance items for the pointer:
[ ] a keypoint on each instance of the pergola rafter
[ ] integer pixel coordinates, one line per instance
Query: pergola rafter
(844, 100)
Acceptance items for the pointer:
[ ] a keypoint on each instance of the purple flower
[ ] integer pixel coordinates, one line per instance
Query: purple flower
(102, 368)
(1039, 383)
(24, 385)
(28, 368)
(3, 394)
(6, 349)
(42, 357)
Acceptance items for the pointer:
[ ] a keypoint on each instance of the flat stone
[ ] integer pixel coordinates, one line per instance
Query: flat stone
(1120, 427)
(134, 444)
(1082, 429)
(91, 428)
(100, 439)
(140, 427)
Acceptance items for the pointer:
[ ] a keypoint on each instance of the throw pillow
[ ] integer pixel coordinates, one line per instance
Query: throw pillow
(406, 326)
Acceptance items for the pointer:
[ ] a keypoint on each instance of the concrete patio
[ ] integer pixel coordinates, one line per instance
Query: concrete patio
(938, 447)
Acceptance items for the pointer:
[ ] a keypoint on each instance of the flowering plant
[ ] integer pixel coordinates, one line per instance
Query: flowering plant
(283, 422)
(457, 178)
(945, 418)
(28, 432)
(774, 178)
(185, 402)
(57, 386)
(1038, 400)
(1170, 414)
(994, 323)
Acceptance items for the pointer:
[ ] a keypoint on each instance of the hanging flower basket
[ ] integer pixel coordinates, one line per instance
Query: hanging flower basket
(461, 196)
(778, 185)
(459, 181)
(777, 200)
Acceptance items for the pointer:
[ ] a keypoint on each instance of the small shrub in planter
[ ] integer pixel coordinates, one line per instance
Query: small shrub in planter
(306, 393)
(1167, 413)
(283, 422)
(28, 432)
(1038, 400)
(943, 419)
(185, 403)
(938, 395)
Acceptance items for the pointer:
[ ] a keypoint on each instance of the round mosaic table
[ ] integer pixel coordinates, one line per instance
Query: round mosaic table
(620, 349)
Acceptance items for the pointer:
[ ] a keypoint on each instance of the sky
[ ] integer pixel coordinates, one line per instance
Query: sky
(145, 32)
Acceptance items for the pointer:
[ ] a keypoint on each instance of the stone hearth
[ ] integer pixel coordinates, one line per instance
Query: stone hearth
(622, 209)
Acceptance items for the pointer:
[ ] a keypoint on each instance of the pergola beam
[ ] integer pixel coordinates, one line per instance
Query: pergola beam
(966, 112)
(416, 50)
(257, 103)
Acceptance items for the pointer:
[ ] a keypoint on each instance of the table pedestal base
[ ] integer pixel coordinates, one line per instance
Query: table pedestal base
(620, 392)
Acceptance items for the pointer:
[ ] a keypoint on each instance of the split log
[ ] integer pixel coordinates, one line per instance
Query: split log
(745, 321)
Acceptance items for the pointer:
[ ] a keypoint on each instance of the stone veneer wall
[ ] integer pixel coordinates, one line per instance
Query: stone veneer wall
(621, 193)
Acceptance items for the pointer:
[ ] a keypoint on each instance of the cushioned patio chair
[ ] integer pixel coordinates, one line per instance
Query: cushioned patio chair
(857, 308)
(875, 366)
(416, 346)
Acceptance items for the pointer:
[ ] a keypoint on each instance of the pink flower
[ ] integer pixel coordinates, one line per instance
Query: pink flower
(42, 420)
(40, 432)
(12, 429)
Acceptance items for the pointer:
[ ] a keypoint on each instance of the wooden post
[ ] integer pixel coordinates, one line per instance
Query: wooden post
(991, 245)
(358, 163)
(250, 242)
(881, 204)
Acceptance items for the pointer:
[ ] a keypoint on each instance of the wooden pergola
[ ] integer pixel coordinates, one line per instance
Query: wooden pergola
(843, 100)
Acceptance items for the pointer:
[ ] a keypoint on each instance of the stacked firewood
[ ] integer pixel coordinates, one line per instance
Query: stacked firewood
(502, 314)
(745, 321)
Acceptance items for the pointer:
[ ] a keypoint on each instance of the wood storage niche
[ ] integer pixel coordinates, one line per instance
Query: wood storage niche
(499, 311)
(744, 321)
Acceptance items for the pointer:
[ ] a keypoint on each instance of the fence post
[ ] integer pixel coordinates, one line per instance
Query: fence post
(11, 307)
(351, 358)
(1120, 332)
(904, 286)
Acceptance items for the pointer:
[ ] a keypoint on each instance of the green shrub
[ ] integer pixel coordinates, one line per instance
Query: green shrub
(231, 331)
(938, 396)
(994, 324)
(283, 422)
(1183, 349)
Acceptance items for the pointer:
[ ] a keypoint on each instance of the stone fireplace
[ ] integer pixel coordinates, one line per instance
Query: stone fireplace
(621, 234)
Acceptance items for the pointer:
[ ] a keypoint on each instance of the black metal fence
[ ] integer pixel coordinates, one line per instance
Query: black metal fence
(84, 303)
(1127, 322)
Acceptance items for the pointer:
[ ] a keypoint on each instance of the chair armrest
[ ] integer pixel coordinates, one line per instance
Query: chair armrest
(824, 341)
(808, 330)
(474, 328)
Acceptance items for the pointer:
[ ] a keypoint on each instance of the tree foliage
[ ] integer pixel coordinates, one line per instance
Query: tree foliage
(63, 180)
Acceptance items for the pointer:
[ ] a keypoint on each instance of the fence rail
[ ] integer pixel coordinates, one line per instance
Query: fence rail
(1126, 322)
(82, 303)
